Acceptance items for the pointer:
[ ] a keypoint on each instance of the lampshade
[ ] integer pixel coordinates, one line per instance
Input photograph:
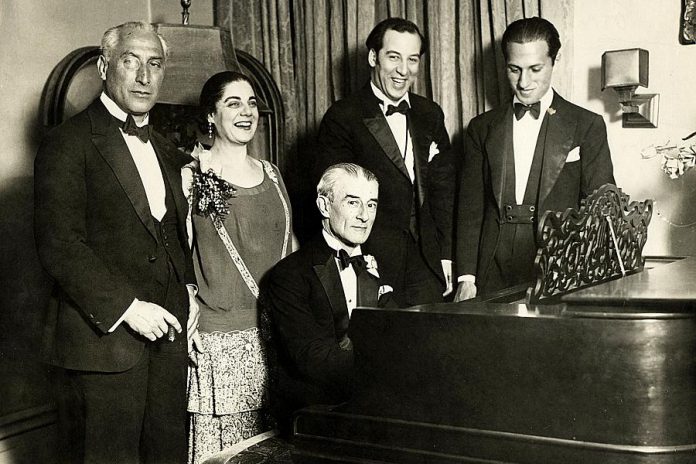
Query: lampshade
(195, 54)
(625, 68)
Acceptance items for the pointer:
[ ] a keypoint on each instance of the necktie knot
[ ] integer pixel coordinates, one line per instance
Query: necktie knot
(131, 128)
(521, 109)
(400, 108)
(357, 261)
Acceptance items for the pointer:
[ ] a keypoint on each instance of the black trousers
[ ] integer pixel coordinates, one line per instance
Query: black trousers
(137, 416)
(420, 284)
(514, 258)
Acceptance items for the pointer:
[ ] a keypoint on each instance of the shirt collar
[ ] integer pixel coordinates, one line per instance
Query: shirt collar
(545, 101)
(117, 112)
(336, 245)
(386, 100)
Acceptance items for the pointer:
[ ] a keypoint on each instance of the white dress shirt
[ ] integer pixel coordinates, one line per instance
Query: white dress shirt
(349, 280)
(145, 161)
(525, 133)
(399, 128)
(148, 167)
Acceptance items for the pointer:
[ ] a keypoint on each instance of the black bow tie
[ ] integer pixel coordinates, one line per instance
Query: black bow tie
(533, 109)
(401, 108)
(129, 127)
(357, 261)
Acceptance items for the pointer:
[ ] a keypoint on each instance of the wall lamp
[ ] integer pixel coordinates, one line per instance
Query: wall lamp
(624, 70)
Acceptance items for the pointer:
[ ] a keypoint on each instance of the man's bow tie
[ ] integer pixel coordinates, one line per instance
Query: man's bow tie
(533, 109)
(357, 261)
(129, 127)
(401, 108)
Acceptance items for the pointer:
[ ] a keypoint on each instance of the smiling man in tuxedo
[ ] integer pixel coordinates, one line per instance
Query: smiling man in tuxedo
(536, 153)
(110, 221)
(313, 292)
(401, 137)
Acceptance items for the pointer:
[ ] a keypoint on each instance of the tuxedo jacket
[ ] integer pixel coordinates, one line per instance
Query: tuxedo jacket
(310, 316)
(355, 130)
(96, 238)
(564, 180)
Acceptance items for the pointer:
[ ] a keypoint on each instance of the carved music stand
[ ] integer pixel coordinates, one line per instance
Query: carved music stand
(601, 241)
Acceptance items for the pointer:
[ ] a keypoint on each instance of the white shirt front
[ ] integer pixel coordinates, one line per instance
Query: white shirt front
(145, 160)
(525, 133)
(148, 167)
(349, 280)
(399, 128)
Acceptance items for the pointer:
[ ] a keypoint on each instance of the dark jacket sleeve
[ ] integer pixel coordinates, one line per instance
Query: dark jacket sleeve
(60, 215)
(310, 344)
(470, 206)
(442, 185)
(597, 168)
(335, 142)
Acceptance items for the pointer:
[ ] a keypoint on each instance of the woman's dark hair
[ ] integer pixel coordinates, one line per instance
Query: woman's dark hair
(376, 38)
(214, 88)
(530, 30)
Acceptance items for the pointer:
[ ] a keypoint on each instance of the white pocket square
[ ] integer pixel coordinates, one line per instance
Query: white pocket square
(432, 151)
(383, 290)
(573, 155)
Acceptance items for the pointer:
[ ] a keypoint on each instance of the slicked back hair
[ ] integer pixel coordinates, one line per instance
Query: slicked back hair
(214, 89)
(113, 36)
(375, 40)
(329, 178)
(530, 30)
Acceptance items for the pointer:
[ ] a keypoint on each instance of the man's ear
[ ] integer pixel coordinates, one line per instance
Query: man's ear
(372, 58)
(323, 205)
(102, 66)
(558, 58)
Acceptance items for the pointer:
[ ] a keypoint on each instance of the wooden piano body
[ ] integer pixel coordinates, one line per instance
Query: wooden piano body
(603, 373)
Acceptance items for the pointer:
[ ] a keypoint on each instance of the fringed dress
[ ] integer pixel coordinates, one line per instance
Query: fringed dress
(228, 390)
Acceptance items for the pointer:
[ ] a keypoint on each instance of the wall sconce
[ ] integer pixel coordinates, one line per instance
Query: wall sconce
(624, 71)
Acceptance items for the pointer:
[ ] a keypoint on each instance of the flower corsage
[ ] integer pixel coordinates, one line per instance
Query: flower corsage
(209, 193)
(371, 265)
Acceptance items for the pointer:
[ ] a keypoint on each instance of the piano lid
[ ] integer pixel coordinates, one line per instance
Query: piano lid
(668, 284)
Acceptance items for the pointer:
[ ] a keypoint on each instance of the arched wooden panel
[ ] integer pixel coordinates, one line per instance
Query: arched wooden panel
(196, 53)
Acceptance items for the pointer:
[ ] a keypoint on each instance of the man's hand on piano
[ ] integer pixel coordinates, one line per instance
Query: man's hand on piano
(465, 291)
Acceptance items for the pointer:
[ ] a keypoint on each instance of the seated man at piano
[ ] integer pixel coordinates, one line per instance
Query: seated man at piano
(313, 291)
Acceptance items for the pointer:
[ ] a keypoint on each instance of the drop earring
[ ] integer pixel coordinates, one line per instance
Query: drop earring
(210, 130)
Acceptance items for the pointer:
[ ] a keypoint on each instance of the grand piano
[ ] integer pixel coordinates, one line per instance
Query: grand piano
(593, 363)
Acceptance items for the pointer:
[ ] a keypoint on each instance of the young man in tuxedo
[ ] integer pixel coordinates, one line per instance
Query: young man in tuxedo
(536, 153)
(401, 137)
(110, 221)
(313, 291)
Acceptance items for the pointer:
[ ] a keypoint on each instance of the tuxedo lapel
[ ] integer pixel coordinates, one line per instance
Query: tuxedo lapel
(498, 143)
(377, 125)
(421, 146)
(326, 271)
(172, 173)
(108, 140)
(559, 140)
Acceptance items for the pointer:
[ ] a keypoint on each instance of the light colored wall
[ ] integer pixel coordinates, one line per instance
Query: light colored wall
(601, 25)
